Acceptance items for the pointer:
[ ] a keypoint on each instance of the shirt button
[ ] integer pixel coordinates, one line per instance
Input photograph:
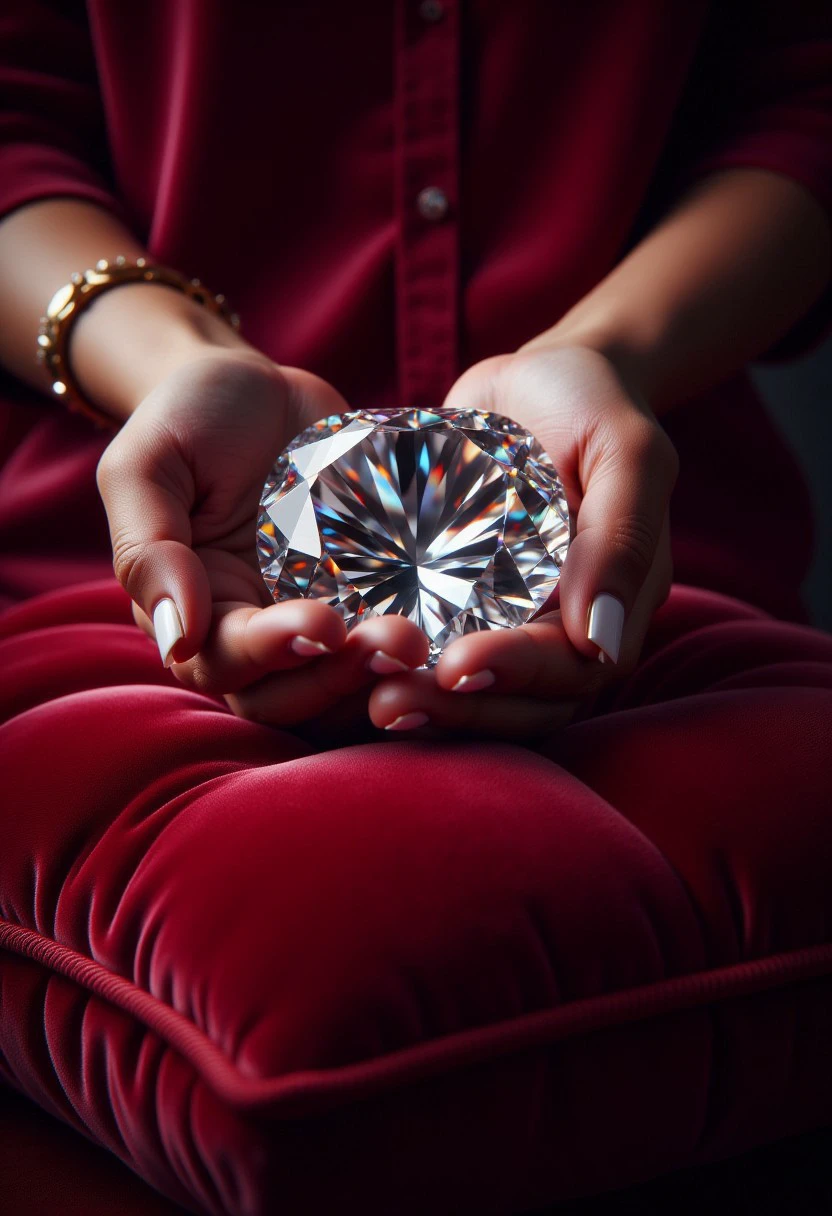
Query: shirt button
(432, 203)
(431, 10)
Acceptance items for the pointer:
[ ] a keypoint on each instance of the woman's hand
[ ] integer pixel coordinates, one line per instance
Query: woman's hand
(181, 485)
(618, 468)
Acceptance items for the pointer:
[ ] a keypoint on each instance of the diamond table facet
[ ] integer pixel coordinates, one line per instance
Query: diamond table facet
(455, 518)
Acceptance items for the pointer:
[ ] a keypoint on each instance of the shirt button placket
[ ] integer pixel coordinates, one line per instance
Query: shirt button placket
(431, 10)
(427, 192)
(432, 203)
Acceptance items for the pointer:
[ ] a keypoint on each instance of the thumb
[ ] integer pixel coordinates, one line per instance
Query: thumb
(619, 530)
(148, 512)
(476, 387)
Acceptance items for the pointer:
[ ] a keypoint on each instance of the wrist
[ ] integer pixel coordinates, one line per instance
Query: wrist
(132, 337)
(628, 354)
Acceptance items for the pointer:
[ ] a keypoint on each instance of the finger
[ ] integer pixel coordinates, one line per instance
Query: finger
(304, 386)
(539, 660)
(654, 591)
(245, 643)
(148, 512)
(628, 479)
(534, 660)
(416, 702)
(476, 388)
(296, 695)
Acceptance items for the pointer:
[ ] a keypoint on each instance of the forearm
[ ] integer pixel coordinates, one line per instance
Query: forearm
(124, 342)
(724, 276)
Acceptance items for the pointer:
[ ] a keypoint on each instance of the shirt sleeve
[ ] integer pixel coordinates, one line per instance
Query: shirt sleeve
(760, 96)
(52, 129)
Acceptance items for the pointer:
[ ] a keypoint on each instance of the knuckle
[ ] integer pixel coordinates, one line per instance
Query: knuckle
(202, 679)
(128, 563)
(655, 452)
(633, 544)
(198, 675)
(112, 463)
(104, 470)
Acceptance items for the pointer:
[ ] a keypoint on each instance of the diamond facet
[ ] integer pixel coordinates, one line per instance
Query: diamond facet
(454, 518)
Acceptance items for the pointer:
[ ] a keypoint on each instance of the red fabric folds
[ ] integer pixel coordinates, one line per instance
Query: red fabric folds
(446, 977)
(277, 152)
(400, 976)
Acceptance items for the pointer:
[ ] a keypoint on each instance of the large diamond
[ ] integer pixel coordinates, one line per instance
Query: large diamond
(455, 518)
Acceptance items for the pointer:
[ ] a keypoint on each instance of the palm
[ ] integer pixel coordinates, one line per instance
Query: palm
(227, 456)
(181, 484)
(617, 468)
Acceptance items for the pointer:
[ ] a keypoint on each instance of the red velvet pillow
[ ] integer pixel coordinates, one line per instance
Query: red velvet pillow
(417, 976)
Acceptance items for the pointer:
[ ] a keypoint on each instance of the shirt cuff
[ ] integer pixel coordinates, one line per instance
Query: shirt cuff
(30, 172)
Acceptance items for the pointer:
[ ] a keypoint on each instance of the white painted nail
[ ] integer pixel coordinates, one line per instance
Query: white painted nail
(476, 682)
(383, 664)
(606, 624)
(408, 721)
(168, 629)
(308, 648)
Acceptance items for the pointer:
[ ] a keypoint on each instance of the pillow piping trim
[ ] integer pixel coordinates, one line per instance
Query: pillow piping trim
(310, 1090)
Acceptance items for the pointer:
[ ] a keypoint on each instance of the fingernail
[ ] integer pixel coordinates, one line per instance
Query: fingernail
(476, 682)
(606, 623)
(383, 664)
(308, 648)
(168, 629)
(408, 721)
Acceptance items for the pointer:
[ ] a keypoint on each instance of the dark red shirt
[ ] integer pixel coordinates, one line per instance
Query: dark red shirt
(388, 192)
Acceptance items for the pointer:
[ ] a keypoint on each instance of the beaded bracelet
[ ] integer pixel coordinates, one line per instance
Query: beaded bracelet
(69, 302)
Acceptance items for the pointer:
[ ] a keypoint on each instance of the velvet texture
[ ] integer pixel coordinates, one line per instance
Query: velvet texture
(428, 976)
(390, 975)
(277, 153)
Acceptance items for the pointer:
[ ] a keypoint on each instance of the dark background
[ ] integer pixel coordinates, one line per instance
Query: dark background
(799, 397)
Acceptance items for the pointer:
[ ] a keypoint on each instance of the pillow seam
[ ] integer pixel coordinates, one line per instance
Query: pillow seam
(304, 1089)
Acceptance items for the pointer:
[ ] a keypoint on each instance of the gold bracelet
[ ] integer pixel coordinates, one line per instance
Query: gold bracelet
(69, 302)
